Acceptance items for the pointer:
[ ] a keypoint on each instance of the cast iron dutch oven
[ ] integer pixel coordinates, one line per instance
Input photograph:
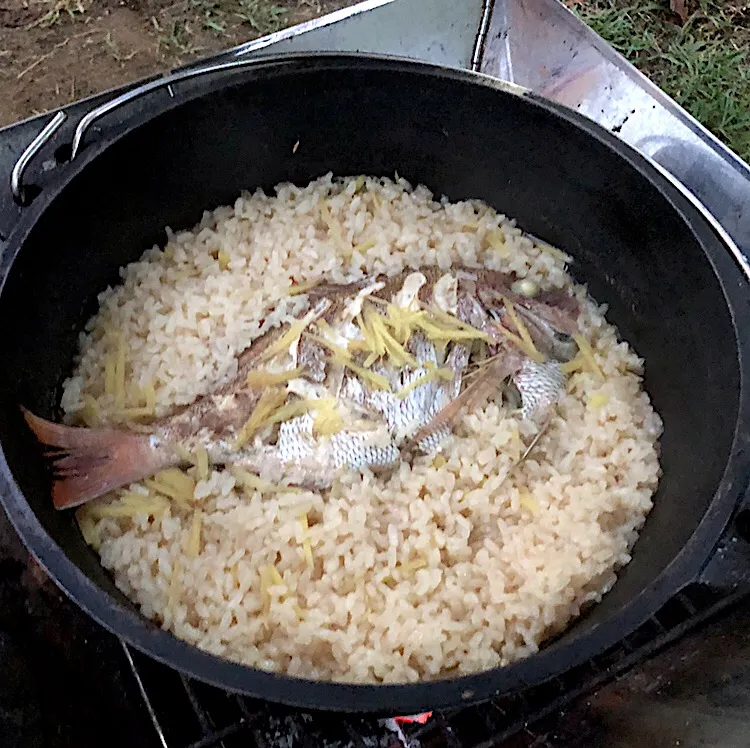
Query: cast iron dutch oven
(674, 290)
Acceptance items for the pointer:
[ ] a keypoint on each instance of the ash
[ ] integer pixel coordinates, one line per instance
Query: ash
(300, 729)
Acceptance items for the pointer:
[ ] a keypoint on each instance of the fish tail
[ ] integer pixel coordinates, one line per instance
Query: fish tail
(88, 462)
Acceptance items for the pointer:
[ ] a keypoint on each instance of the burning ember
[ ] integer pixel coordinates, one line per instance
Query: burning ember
(394, 725)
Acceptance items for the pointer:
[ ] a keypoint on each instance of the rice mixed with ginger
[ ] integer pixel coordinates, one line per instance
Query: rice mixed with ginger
(452, 564)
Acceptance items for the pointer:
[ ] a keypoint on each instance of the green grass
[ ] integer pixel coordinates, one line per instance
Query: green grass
(261, 15)
(174, 38)
(57, 10)
(704, 64)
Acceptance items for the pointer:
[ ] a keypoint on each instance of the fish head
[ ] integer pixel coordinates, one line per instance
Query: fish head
(551, 317)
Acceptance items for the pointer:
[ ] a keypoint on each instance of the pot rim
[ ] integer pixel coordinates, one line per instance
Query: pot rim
(388, 699)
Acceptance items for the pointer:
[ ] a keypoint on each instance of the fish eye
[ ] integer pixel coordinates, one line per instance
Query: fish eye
(525, 287)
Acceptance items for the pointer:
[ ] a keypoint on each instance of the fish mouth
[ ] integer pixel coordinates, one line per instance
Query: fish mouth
(551, 342)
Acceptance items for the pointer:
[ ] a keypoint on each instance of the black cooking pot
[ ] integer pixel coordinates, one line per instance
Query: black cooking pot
(673, 289)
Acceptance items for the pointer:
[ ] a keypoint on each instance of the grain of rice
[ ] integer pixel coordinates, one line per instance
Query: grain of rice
(457, 562)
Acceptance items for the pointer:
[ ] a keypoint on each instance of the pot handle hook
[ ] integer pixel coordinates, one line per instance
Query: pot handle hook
(36, 145)
(45, 135)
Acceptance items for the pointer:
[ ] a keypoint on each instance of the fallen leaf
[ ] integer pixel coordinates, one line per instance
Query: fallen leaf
(679, 7)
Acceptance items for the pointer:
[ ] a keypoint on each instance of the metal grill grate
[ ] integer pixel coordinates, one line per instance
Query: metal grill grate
(189, 714)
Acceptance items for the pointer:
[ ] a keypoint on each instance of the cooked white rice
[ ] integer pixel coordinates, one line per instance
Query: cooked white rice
(451, 565)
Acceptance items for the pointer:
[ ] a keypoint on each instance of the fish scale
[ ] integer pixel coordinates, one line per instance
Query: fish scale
(297, 441)
(541, 386)
(378, 428)
(404, 416)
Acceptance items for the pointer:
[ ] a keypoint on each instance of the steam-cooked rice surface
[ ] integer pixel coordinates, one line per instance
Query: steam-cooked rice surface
(450, 565)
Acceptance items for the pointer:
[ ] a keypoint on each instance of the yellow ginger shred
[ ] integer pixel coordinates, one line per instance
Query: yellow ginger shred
(152, 504)
(377, 380)
(418, 382)
(430, 376)
(130, 504)
(374, 345)
(446, 327)
(391, 346)
(526, 500)
(201, 463)
(523, 338)
(328, 425)
(598, 400)
(88, 527)
(328, 420)
(439, 461)
(253, 482)
(442, 372)
(336, 350)
(496, 240)
(300, 288)
(279, 346)
(148, 409)
(411, 566)
(370, 360)
(174, 484)
(177, 479)
(343, 358)
(269, 577)
(193, 545)
(588, 355)
(362, 247)
(450, 321)
(290, 410)
(358, 346)
(558, 254)
(576, 364)
(516, 446)
(402, 322)
(334, 228)
(224, 259)
(269, 401)
(258, 379)
(90, 414)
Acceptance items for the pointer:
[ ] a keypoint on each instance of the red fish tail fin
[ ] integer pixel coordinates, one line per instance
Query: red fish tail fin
(86, 463)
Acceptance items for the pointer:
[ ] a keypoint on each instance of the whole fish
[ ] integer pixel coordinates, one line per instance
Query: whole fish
(374, 372)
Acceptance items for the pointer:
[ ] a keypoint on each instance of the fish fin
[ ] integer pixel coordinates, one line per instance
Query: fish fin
(87, 463)
(474, 396)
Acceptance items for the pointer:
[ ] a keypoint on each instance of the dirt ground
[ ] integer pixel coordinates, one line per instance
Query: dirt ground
(55, 51)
